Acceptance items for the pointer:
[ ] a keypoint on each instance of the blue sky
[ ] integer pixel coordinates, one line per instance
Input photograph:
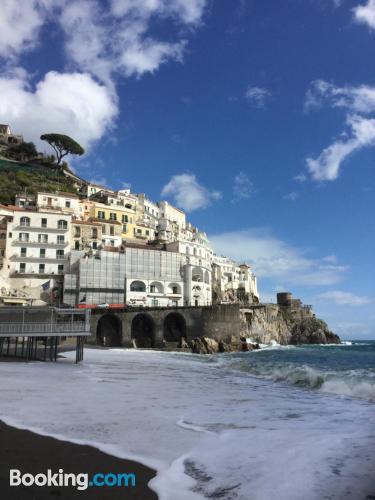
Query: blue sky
(256, 117)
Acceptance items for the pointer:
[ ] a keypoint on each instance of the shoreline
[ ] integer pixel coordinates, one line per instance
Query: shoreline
(34, 453)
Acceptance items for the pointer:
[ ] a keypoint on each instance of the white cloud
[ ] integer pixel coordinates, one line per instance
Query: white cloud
(292, 196)
(360, 99)
(343, 298)
(119, 41)
(358, 102)
(100, 44)
(366, 13)
(243, 188)
(300, 177)
(257, 96)
(70, 103)
(327, 166)
(188, 193)
(276, 259)
(20, 23)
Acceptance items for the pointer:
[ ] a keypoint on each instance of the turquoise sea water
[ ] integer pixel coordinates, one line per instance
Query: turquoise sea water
(347, 369)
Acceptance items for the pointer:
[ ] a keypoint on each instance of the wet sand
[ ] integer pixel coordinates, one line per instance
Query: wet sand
(30, 452)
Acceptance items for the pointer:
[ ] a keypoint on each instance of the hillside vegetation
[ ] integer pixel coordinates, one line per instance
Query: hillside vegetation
(17, 178)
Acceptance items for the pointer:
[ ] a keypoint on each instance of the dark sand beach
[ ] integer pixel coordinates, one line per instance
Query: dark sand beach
(30, 452)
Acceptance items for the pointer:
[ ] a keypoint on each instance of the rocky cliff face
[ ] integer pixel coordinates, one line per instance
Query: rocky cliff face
(267, 323)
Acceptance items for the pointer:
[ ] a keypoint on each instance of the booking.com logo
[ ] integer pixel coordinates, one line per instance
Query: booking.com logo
(81, 481)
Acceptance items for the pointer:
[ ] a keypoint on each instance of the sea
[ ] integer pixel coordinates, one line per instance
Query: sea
(280, 423)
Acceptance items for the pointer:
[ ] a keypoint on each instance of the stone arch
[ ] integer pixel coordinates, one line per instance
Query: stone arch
(109, 331)
(143, 330)
(137, 286)
(174, 327)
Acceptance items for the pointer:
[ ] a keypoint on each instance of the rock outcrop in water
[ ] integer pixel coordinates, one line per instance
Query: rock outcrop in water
(266, 324)
(270, 323)
(312, 331)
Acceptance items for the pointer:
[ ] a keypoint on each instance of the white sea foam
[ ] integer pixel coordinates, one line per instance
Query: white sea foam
(354, 383)
(209, 431)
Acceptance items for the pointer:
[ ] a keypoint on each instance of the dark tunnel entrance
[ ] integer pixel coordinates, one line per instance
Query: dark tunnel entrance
(109, 331)
(174, 328)
(143, 331)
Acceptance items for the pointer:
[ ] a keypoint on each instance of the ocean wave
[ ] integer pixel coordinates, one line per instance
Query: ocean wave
(353, 383)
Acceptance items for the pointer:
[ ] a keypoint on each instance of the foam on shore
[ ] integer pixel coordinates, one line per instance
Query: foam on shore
(209, 430)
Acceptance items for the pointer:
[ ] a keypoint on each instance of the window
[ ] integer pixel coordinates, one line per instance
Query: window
(111, 230)
(3, 236)
(103, 229)
(42, 268)
(77, 232)
(25, 221)
(10, 235)
(42, 253)
(76, 245)
(62, 224)
(43, 238)
(124, 228)
(125, 218)
(139, 231)
(44, 222)
(112, 242)
(23, 252)
(137, 286)
(152, 289)
(24, 236)
(67, 204)
(155, 302)
(60, 239)
(101, 215)
(22, 267)
(94, 245)
(60, 268)
(175, 290)
(112, 216)
(94, 233)
(147, 232)
(59, 254)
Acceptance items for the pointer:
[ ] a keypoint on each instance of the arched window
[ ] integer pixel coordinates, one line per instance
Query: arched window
(197, 274)
(156, 287)
(207, 277)
(62, 224)
(137, 286)
(25, 221)
(174, 288)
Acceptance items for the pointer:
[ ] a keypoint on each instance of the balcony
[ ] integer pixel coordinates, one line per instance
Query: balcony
(33, 243)
(40, 229)
(51, 260)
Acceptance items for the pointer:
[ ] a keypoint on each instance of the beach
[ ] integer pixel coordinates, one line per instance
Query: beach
(284, 422)
(33, 453)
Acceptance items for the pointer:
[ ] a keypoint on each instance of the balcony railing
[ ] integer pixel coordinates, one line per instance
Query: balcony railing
(48, 229)
(51, 244)
(42, 329)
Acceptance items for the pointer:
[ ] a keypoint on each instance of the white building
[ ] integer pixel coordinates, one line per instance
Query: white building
(37, 248)
(59, 202)
(233, 282)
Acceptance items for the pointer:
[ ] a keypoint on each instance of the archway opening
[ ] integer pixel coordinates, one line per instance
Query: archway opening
(174, 328)
(109, 331)
(143, 331)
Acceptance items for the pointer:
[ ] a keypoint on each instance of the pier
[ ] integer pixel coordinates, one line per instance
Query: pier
(34, 333)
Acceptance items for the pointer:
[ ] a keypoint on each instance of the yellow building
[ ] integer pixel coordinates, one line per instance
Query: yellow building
(115, 213)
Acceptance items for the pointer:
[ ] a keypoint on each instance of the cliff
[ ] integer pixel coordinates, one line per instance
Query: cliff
(272, 323)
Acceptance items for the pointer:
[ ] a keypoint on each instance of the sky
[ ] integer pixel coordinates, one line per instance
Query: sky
(255, 117)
